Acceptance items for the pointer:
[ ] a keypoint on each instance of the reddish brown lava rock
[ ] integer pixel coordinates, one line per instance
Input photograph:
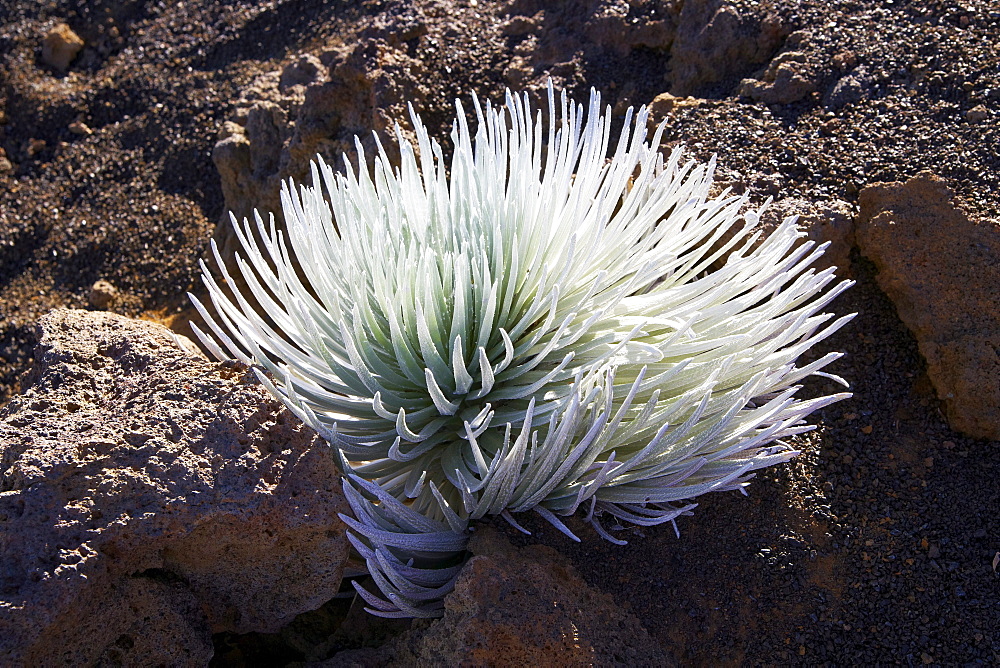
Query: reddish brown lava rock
(788, 78)
(716, 42)
(60, 47)
(523, 607)
(149, 498)
(822, 221)
(942, 271)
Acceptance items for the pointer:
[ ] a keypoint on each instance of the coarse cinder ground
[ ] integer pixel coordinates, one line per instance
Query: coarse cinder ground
(875, 546)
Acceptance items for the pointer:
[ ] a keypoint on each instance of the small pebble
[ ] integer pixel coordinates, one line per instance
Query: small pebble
(977, 114)
(60, 47)
(80, 128)
(103, 295)
(35, 146)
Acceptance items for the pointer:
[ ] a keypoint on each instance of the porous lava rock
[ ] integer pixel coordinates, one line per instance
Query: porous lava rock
(822, 221)
(313, 106)
(150, 498)
(788, 78)
(519, 607)
(716, 43)
(665, 104)
(942, 271)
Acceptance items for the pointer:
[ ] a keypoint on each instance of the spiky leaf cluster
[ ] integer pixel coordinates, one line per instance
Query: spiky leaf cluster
(557, 321)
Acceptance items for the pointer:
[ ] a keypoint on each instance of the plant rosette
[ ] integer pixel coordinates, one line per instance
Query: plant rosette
(554, 322)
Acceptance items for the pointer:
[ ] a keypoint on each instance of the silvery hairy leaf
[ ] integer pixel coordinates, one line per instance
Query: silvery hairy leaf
(557, 321)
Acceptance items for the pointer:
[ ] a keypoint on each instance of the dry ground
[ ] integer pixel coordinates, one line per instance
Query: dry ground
(873, 547)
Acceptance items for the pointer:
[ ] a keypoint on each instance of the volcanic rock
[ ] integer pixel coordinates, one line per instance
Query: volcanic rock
(942, 271)
(102, 295)
(149, 498)
(60, 47)
(716, 43)
(521, 606)
(789, 78)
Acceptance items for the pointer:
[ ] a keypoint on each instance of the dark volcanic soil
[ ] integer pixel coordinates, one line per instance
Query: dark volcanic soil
(875, 546)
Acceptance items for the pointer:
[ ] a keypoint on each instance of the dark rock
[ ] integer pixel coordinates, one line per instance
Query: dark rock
(716, 43)
(849, 89)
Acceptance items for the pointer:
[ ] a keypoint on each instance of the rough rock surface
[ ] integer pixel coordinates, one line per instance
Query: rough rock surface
(822, 221)
(665, 104)
(849, 89)
(788, 78)
(717, 42)
(309, 108)
(519, 607)
(60, 47)
(149, 497)
(364, 85)
(942, 271)
(103, 295)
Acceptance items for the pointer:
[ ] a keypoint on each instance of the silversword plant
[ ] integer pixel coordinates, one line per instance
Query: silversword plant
(557, 321)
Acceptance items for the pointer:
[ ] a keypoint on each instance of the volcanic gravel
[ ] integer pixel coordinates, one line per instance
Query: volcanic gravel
(875, 546)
